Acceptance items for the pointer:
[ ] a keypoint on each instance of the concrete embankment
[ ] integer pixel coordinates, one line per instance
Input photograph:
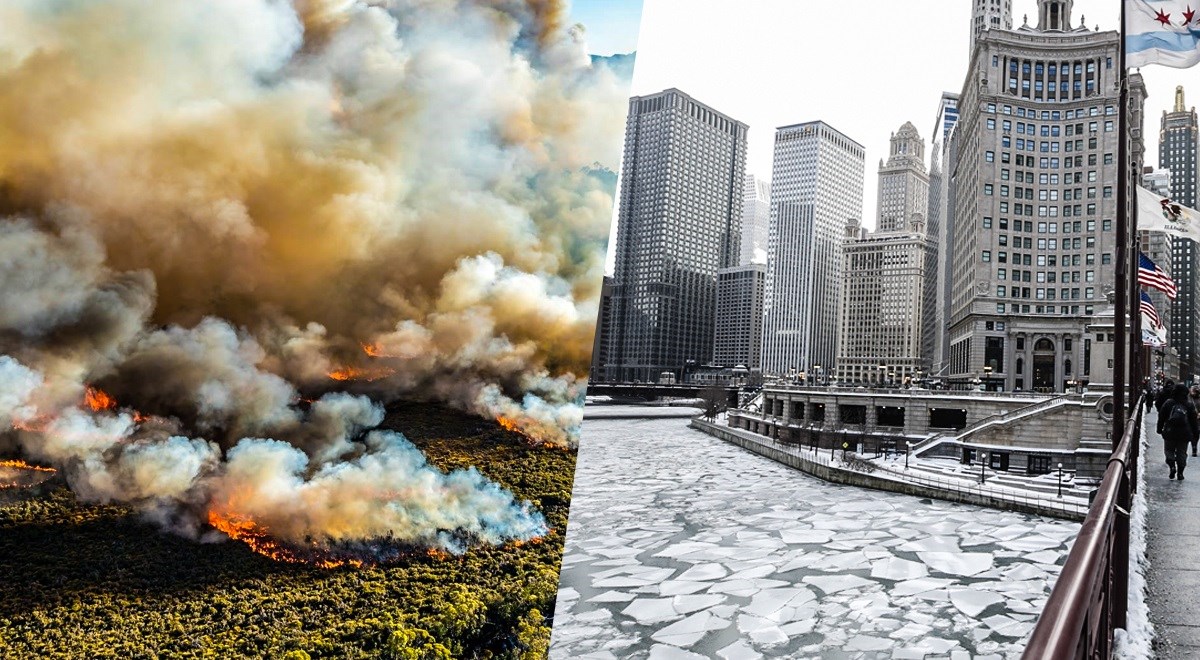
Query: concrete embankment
(838, 474)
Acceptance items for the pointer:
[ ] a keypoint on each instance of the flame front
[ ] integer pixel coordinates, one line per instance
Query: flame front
(364, 373)
(33, 474)
(242, 528)
(97, 399)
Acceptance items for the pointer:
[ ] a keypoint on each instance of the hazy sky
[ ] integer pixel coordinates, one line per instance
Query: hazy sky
(865, 68)
(612, 25)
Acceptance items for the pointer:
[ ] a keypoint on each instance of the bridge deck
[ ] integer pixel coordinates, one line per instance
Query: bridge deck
(1173, 550)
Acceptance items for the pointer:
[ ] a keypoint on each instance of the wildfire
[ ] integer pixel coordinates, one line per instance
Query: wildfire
(241, 528)
(508, 424)
(26, 475)
(97, 399)
(373, 350)
(22, 465)
(357, 373)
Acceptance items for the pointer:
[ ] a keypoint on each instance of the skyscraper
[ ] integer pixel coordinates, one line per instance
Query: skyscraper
(816, 187)
(679, 223)
(756, 220)
(1036, 179)
(940, 223)
(738, 340)
(888, 283)
(989, 15)
(1177, 145)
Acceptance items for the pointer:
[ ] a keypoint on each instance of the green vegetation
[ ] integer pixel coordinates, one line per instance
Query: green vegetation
(87, 581)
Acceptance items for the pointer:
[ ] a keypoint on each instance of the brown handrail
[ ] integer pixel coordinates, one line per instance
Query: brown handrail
(1089, 600)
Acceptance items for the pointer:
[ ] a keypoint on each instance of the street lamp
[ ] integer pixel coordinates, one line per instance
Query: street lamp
(817, 368)
(987, 378)
(891, 379)
(982, 464)
(1060, 479)
(906, 454)
(882, 371)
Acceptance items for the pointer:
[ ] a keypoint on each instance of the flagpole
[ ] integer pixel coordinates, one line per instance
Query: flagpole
(1123, 285)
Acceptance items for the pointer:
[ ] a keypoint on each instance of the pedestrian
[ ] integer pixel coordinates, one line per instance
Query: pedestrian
(1178, 425)
(1195, 396)
(1164, 394)
(1148, 393)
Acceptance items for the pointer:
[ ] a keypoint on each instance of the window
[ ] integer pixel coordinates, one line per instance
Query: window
(989, 156)
(987, 189)
(987, 256)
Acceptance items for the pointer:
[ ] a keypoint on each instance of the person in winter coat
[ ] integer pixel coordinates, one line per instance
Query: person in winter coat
(1194, 394)
(1178, 425)
(1164, 394)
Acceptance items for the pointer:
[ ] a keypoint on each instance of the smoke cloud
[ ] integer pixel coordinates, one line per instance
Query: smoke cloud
(222, 213)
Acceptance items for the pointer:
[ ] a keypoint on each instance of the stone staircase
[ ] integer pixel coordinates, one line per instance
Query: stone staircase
(992, 422)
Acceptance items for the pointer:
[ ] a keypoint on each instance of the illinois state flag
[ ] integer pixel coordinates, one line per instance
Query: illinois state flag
(1157, 213)
(1163, 32)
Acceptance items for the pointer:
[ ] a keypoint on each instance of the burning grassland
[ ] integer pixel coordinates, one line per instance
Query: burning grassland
(97, 579)
(230, 235)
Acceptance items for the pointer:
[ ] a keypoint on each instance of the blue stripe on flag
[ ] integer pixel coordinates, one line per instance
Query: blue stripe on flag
(1164, 40)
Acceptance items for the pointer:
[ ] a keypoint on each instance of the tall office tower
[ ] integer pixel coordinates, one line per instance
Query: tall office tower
(603, 338)
(816, 186)
(1036, 178)
(940, 223)
(756, 220)
(1177, 145)
(888, 280)
(738, 340)
(679, 223)
(989, 15)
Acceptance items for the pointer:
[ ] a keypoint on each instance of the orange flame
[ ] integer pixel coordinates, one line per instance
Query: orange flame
(35, 474)
(242, 528)
(22, 465)
(356, 373)
(374, 350)
(509, 424)
(97, 399)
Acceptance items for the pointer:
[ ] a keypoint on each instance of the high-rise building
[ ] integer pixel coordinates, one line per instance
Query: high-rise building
(1036, 179)
(989, 15)
(816, 187)
(888, 283)
(1177, 146)
(603, 338)
(756, 220)
(940, 225)
(679, 222)
(738, 340)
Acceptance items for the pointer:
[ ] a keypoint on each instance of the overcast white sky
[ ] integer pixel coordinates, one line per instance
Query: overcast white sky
(865, 68)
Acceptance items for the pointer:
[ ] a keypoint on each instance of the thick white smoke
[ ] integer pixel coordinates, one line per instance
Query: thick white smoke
(215, 211)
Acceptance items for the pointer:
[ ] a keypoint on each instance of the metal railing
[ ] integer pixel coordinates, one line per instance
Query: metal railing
(1090, 598)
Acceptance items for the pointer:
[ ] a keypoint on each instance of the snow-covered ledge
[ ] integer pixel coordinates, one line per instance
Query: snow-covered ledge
(1135, 642)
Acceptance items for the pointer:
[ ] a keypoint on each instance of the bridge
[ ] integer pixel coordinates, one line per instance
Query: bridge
(653, 391)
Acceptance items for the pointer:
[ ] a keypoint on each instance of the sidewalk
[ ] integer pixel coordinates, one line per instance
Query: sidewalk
(1173, 551)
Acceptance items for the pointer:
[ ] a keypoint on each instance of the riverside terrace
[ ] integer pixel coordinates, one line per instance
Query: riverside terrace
(1020, 432)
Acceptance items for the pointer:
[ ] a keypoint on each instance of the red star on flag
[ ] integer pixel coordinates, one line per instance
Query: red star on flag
(1188, 15)
(1165, 19)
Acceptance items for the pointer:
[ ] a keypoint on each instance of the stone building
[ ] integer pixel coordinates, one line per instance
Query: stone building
(1036, 179)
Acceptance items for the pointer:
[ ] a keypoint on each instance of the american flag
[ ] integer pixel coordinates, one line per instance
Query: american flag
(1149, 311)
(1149, 274)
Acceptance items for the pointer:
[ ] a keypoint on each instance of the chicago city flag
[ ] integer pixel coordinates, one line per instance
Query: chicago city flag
(1163, 32)
(1157, 213)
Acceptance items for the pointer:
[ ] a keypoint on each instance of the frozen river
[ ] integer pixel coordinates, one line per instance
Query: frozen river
(682, 546)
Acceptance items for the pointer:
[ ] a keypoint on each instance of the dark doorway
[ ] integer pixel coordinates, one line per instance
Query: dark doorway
(1043, 366)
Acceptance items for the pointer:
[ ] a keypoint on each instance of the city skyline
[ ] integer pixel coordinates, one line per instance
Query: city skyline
(736, 68)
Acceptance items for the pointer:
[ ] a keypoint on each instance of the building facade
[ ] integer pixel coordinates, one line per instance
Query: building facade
(679, 222)
(756, 220)
(888, 283)
(940, 222)
(816, 186)
(1177, 147)
(989, 15)
(738, 340)
(1036, 180)
(601, 342)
